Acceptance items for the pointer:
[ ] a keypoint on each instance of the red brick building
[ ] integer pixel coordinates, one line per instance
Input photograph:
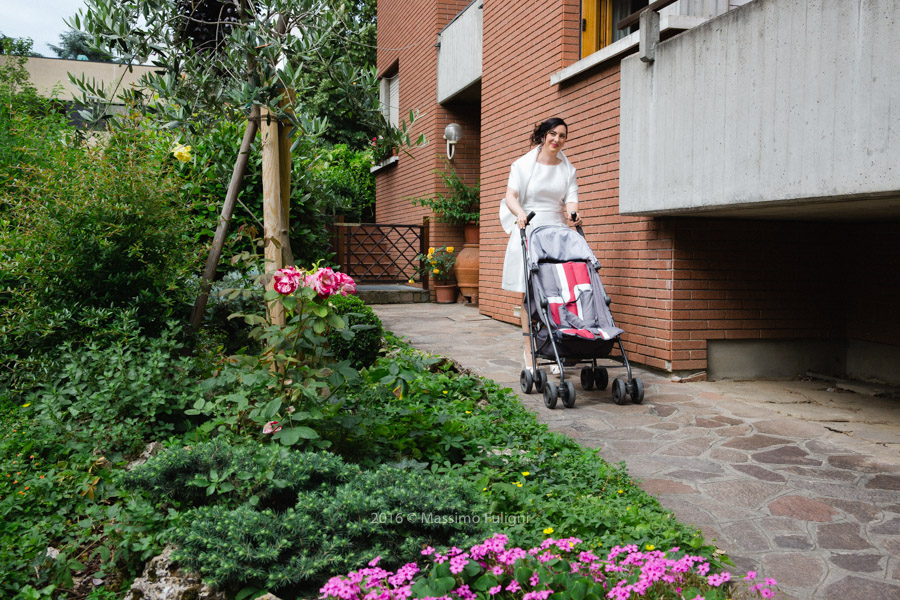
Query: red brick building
(753, 280)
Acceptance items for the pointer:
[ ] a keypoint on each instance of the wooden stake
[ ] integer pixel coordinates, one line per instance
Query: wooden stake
(274, 219)
(215, 251)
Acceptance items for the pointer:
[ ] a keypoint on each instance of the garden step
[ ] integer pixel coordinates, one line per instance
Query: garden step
(385, 293)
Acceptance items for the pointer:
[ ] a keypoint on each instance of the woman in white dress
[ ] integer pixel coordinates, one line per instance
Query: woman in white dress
(542, 181)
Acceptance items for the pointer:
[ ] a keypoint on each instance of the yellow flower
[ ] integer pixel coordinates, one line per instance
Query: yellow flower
(446, 392)
(412, 280)
(450, 249)
(182, 153)
(519, 483)
(436, 271)
(431, 251)
(468, 412)
(548, 531)
(526, 473)
(621, 492)
(650, 547)
(26, 405)
(483, 489)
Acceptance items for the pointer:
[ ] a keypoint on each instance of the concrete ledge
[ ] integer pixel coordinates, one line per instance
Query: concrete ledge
(391, 294)
(773, 359)
(784, 359)
(667, 23)
(873, 362)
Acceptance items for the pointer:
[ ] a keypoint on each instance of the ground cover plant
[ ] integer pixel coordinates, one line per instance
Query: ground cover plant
(558, 568)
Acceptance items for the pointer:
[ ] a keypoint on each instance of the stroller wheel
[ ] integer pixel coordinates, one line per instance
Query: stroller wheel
(601, 378)
(550, 395)
(587, 379)
(540, 378)
(568, 391)
(526, 381)
(618, 391)
(637, 391)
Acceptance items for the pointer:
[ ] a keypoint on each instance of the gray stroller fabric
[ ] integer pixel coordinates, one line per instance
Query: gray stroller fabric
(563, 272)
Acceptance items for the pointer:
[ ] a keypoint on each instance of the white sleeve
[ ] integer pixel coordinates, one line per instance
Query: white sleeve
(572, 190)
(514, 178)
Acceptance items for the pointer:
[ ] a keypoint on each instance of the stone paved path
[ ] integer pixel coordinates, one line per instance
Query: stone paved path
(812, 504)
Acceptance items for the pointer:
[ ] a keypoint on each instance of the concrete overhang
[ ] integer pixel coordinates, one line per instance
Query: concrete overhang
(459, 56)
(780, 109)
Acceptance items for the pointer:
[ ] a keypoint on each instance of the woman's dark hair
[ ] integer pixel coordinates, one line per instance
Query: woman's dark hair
(541, 129)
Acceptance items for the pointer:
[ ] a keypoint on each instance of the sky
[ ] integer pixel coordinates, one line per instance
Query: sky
(41, 20)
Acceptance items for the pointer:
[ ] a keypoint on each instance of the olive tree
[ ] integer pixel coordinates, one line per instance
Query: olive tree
(221, 57)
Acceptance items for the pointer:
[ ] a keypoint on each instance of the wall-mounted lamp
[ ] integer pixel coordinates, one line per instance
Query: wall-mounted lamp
(452, 133)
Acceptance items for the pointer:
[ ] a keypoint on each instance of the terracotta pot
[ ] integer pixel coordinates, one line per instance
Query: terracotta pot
(466, 267)
(471, 232)
(446, 293)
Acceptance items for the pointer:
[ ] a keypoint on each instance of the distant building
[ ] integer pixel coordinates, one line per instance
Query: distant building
(51, 77)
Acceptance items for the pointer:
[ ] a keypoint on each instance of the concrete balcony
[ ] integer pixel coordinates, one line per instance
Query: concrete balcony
(778, 109)
(459, 56)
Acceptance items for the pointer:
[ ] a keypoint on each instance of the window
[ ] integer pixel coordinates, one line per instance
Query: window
(598, 22)
(390, 99)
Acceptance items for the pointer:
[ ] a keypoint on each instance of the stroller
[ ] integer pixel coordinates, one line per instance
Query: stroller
(570, 323)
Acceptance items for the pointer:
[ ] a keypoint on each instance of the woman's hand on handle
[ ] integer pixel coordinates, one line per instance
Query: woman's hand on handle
(522, 220)
(575, 219)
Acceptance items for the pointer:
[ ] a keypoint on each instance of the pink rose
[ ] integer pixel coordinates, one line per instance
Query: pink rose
(346, 285)
(271, 427)
(323, 282)
(286, 280)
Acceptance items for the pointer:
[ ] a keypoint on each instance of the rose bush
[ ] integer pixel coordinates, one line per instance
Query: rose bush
(324, 281)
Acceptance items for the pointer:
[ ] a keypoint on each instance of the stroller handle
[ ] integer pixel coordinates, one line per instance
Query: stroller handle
(528, 219)
(578, 228)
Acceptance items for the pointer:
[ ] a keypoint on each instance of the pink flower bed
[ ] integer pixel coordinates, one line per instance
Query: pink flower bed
(491, 571)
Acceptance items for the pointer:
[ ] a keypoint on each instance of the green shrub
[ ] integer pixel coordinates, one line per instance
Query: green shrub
(363, 347)
(111, 397)
(218, 472)
(86, 228)
(329, 530)
(339, 515)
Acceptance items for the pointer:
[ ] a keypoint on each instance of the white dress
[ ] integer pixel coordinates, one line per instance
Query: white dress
(549, 188)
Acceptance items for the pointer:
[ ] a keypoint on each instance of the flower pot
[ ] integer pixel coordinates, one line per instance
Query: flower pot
(446, 293)
(466, 267)
(471, 233)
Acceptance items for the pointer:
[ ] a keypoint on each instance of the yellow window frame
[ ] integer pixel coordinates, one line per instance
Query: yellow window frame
(596, 29)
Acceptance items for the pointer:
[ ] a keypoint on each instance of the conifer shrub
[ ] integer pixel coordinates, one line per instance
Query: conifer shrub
(340, 515)
(362, 349)
(390, 513)
(219, 472)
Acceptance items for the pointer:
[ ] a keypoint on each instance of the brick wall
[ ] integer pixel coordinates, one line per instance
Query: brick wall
(522, 48)
(407, 33)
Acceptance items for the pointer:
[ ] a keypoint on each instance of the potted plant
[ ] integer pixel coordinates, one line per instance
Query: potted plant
(438, 264)
(460, 206)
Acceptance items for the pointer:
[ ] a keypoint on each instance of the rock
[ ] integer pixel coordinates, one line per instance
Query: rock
(152, 449)
(161, 580)
(701, 376)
